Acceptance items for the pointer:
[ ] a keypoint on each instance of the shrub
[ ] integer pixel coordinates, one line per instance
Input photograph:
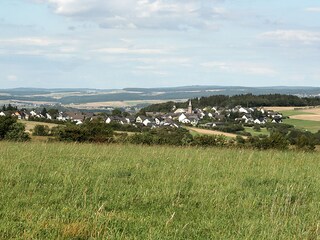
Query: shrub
(41, 130)
(5, 125)
(88, 132)
(17, 133)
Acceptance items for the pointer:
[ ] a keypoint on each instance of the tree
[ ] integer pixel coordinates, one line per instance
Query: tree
(257, 127)
(53, 113)
(116, 112)
(5, 125)
(44, 112)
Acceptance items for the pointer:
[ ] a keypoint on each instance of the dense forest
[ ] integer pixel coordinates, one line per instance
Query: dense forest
(246, 100)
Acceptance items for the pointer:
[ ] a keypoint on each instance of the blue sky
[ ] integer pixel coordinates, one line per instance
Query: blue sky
(159, 43)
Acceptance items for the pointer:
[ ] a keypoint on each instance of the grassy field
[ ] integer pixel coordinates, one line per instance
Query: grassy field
(312, 126)
(31, 124)
(72, 191)
(289, 113)
(263, 131)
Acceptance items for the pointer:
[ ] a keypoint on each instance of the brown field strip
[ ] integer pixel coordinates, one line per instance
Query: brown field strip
(306, 117)
(212, 132)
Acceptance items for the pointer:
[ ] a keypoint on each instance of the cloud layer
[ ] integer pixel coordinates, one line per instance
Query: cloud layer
(151, 14)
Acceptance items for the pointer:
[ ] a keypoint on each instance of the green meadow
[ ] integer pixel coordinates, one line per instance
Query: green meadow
(311, 126)
(84, 191)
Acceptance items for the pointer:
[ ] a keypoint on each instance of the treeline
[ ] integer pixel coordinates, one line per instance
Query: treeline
(246, 100)
(281, 137)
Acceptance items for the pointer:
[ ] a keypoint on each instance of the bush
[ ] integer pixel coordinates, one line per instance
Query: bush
(11, 130)
(5, 125)
(230, 128)
(41, 130)
(163, 136)
(88, 132)
(17, 133)
(305, 143)
(204, 140)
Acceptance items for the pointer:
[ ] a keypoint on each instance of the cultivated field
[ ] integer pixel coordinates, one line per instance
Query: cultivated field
(309, 114)
(202, 131)
(73, 191)
(118, 104)
(307, 119)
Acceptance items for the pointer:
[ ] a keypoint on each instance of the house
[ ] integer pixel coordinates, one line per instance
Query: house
(2, 114)
(48, 116)
(158, 120)
(33, 114)
(75, 117)
(180, 110)
(140, 119)
(247, 118)
(17, 114)
(260, 121)
(62, 116)
(183, 118)
(146, 122)
(243, 110)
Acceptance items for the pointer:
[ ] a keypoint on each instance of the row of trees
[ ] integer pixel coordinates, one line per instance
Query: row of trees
(246, 100)
(281, 138)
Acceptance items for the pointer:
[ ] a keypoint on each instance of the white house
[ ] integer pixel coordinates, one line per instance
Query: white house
(182, 118)
(146, 122)
(2, 114)
(243, 110)
(33, 113)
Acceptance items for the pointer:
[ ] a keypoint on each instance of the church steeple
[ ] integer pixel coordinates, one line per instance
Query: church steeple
(190, 107)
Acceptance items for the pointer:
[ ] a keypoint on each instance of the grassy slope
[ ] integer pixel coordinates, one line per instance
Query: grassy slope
(312, 126)
(263, 131)
(59, 191)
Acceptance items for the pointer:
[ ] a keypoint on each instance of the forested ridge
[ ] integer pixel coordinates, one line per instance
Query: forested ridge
(245, 100)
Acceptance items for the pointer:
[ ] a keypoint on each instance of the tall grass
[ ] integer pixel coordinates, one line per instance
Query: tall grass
(72, 191)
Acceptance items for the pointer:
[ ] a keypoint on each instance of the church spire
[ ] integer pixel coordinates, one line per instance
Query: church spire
(190, 107)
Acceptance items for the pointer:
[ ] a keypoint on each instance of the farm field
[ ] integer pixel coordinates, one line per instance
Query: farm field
(83, 191)
(201, 131)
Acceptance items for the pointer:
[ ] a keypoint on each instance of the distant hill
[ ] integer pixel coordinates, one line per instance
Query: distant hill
(86, 95)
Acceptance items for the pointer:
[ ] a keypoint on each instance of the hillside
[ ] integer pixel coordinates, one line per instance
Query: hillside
(75, 191)
(143, 95)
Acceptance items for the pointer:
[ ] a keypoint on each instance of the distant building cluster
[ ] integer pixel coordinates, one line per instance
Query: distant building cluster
(206, 117)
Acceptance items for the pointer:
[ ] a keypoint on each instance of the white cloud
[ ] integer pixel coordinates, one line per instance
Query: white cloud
(240, 67)
(301, 36)
(12, 77)
(130, 51)
(174, 14)
(313, 9)
(29, 41)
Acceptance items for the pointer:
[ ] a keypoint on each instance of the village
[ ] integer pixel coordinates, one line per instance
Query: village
(209, 117)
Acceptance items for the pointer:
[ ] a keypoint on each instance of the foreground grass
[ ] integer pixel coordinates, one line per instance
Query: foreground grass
(71, 191)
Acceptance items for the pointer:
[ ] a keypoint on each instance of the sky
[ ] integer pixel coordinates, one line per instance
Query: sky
(159, 43)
